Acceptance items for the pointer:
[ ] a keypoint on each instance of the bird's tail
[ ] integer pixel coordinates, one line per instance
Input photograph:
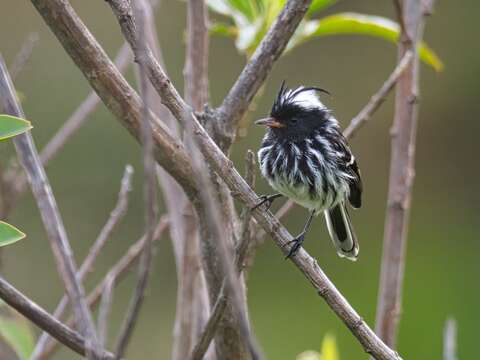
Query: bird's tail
(341, 231)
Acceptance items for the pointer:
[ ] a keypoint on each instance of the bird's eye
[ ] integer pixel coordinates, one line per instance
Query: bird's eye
(293, 120)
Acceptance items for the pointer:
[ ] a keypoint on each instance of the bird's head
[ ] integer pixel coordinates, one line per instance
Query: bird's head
(296, 113)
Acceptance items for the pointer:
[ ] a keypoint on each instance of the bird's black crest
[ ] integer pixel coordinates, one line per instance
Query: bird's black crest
(285, 100)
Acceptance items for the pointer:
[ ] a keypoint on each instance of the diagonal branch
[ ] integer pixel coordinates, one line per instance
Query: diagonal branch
(50, 214)
(238, 99)
(45, 321)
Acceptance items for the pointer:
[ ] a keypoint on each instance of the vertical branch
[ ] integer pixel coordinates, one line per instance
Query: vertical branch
(402, 172)
(150, 194)
(190, 316)
(50, 214)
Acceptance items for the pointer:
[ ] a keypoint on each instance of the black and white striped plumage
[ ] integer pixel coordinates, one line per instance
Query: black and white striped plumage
(305, 157)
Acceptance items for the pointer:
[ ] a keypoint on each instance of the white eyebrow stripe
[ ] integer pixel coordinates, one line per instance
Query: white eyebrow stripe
(308, 99)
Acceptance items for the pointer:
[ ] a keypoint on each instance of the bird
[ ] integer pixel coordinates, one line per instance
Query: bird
(305, 157)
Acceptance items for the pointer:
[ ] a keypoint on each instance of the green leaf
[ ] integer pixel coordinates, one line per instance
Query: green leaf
(319, 5)
(16, 332)
(9, 234)
(11, 126)
(329, 348)
(355, 24)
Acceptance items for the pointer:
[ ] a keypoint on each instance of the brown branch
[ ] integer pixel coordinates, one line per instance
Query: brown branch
(113, 89)
(150, 200)
(238, 99)
(224, 168)
(379, 97)
(192, 297)
(402, 170)
(50, 214)
(116, 273)
(45, 321)
(104, 309)
(116, 215)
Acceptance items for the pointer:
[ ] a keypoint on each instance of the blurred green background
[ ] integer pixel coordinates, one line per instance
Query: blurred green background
(442, 265)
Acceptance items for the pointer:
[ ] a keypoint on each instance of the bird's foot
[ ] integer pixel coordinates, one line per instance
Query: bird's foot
(296, 245)
(267, 200)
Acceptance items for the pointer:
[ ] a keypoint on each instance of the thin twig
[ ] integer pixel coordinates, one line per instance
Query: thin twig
(117, 273)
(50, 214)
(104, 309)
(150, 199)
(238, 99)
(450, 340)
(116, 215)
(45, 321)
(402, 173)
(24, 55)
(379, 97)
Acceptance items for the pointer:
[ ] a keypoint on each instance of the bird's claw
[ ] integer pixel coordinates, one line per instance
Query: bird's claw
(265, 199)
(296, 245)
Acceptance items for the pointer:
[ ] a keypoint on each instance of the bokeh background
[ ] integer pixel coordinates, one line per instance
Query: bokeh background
(442, 266)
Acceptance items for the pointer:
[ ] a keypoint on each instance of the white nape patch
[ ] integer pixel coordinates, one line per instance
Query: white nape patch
(308, 99)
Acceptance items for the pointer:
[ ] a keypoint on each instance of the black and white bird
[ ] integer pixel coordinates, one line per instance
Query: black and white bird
(305, 157)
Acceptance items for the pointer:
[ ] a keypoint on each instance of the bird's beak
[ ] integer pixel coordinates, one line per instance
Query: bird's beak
(270, 122)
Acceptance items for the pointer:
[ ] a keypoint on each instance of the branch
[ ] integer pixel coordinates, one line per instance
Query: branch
(402, 173)
(150, 200)
(115, 274)
(236, 103)
(192, 296)
(224, 168)
(104, 309)
(49, 212)
(196, 62)
(379, 97)
(115, 216)
(45, 321)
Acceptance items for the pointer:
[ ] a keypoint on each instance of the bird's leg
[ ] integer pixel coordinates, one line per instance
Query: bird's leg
(268, 200)
(298, 240)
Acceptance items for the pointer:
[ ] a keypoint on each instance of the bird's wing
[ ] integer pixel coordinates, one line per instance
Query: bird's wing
(349, 165)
